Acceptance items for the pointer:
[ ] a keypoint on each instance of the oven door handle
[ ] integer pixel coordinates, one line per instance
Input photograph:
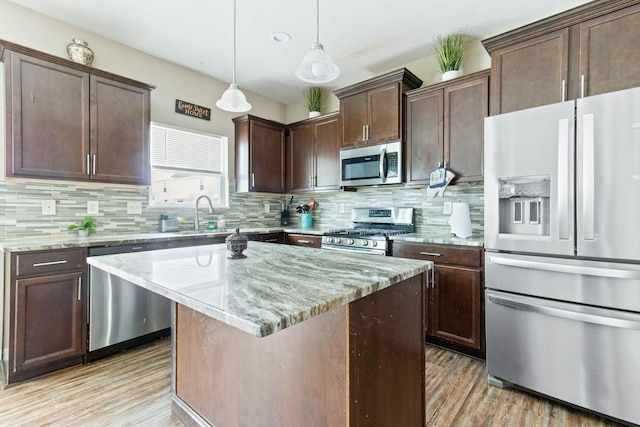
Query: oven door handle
(567, 314)
(358, 251)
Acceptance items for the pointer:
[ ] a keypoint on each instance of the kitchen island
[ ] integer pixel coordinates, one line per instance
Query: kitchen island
(289, 335)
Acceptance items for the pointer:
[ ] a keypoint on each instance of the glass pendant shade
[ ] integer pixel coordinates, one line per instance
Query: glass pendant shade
(233, 100)
(317, 66)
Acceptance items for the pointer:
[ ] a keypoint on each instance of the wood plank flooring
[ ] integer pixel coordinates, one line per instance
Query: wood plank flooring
(132, 389)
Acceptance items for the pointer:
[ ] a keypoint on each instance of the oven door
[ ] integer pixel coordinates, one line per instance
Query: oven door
(375, 165)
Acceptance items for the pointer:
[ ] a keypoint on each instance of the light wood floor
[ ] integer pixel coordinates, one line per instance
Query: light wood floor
(132, 389)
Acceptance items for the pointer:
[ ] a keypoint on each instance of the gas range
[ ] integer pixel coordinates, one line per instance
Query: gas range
(371, 230)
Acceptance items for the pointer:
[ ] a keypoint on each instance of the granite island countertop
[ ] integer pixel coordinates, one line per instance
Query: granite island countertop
(274, 287)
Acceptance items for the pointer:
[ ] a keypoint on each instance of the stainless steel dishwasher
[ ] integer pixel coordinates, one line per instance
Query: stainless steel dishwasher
(123, 315)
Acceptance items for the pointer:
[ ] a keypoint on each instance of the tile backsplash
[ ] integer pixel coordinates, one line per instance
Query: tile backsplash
(21, 201)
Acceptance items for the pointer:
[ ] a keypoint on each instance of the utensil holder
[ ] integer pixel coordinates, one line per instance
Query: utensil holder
(306, 220)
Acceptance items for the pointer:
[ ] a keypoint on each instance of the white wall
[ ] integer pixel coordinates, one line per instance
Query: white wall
(25, 27)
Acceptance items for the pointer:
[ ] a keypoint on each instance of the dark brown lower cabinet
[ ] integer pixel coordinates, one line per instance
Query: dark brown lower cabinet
(455, 301)
(48, 326)
(308, 240)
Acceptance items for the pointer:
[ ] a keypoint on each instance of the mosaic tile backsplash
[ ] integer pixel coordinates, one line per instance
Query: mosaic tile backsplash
(21, 203)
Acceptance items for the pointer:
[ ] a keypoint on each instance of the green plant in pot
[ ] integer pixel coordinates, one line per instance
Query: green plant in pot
(449, 51)
(84, 227)
(313, 100)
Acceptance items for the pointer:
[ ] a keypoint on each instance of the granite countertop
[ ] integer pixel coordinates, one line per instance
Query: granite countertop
(274, 287)
(440, 238)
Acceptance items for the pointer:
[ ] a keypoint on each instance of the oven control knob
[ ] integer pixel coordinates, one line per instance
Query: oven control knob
(349, 241)
(365, 243)
(337, 240)
(329, 239)
(374, 243)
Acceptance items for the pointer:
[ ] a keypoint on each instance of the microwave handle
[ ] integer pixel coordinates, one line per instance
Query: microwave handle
(383, 165)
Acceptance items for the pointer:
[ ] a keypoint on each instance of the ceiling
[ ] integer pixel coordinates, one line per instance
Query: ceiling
(364, 37)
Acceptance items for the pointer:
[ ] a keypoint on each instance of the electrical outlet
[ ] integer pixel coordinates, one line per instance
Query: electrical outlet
(341, 207)
(134, 208)
(266, 208)
(48, 207)
(93, 207)
(446, 208)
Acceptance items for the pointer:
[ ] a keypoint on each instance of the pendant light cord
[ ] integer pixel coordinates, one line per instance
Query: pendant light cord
(234, 41)
(317, 21)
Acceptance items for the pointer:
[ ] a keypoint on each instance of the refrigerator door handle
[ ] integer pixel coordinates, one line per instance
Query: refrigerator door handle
(566, 268)
(588, 178)
(566, 314)
(563, 178)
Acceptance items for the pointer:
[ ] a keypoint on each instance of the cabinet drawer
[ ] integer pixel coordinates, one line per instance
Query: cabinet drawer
(439, 254)
(304, 240)
(47, 262)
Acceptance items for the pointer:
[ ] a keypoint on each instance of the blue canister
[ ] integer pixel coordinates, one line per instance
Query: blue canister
(306, 220)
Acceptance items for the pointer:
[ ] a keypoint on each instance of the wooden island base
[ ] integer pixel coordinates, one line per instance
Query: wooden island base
(360, 364)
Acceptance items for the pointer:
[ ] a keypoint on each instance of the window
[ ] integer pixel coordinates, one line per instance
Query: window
(186, 164)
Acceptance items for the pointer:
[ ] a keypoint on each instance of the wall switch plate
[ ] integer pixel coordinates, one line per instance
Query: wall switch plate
(134, 207)
(266, 208)
(446, 208)
(341, 207)
(48, 207)
(93, 207)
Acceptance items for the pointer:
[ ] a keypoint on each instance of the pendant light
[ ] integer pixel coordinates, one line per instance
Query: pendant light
(317, 66)
(233, 99)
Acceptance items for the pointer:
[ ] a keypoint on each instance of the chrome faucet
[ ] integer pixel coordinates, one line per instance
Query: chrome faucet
(196, 225)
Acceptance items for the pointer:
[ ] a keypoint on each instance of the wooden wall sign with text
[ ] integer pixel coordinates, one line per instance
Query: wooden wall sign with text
(193, 110)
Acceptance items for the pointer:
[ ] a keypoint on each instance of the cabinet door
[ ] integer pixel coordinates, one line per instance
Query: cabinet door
(609, 54)
(300, 168)
(120, 117)
(456, 306)
(327, 153)
(48, 120)
(530, 73)
(354, 118)
(384, 114)
(266, 153)
(48, 320)
(425, 143)
(465, 107)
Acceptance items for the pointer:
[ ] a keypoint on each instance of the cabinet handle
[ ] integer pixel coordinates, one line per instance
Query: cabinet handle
(95, 161)
(563, 89)
(88, 164)
(367, 132)
(270, 240)
(310, 181)
(364, 132)
(430, 254)
(306, 242)
(253, 180)
(42, 264)
(582, 86)
(79, 288)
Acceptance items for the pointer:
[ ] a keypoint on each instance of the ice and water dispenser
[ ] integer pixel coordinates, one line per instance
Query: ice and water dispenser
(524, 205)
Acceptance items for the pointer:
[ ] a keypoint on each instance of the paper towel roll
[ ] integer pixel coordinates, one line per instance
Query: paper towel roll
(460, 220)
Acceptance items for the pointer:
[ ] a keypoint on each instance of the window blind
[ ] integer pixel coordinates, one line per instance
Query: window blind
(184, 149)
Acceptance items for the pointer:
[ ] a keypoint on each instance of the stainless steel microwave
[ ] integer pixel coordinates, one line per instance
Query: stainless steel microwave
(372, 165)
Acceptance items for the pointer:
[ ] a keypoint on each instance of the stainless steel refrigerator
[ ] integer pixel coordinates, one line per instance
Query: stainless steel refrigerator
(562, 262)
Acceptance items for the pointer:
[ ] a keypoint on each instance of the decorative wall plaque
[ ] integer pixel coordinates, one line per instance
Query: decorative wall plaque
(193, 110)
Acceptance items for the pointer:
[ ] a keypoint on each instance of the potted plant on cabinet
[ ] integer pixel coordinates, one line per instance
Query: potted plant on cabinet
(84, 227)
(449, 51)
(313, 100)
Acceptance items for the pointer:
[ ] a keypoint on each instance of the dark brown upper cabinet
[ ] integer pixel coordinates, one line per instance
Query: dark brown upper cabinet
(314, 154)
(70, 121)
(445, 126)
(373, 111)
(260, 155)
(588, 50)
